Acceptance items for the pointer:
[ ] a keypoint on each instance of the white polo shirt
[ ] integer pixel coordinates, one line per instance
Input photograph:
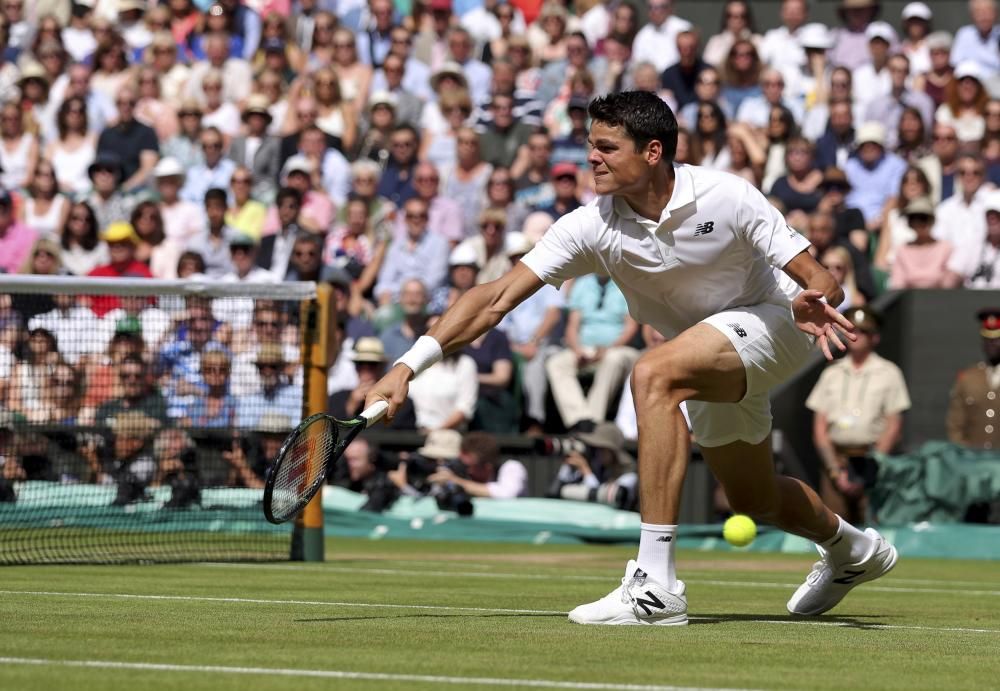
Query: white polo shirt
(718, 244)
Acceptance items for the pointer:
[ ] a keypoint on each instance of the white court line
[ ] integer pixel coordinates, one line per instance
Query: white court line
(446, 608)
(343, 674)
(573, 577)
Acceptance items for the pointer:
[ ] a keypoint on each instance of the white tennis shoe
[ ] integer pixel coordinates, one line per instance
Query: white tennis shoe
(828, 583)
(638, 600)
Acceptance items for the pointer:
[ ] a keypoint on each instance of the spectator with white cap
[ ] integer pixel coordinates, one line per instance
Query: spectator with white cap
(532, 330)
(889, 108)
(850, 41)
(463, 266)
(317, 211)
(965, 102)
(916, 18)
(979, 41)
(977, 264)
(935, 80)
(874, 174)
(183, 219)
(960, 217)
(872, 80)
(807, 81)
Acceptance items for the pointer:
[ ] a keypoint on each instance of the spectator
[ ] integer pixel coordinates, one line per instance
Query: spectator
(153, 249)
(18, 148)
(836, 144)
(858, 404)
(376, 128)
(965, 103)
(741, 74)
(306, 259)
(466, 181)
(681, 78)
(707, 87)
(257, 152)
(912, 140)
(413, 300)
(134, 144)
(837, 260)
(656, 41)
(75, 147)
(755, 110)
(44, 209)
(44, 259)
(851, 41)
(303, 172)
(276, 249)
(533, 187)
(916, 17)
(782, 47)
(152, 110)
(800, 188)
(961, 218)
(243, 251)
(185, 146)
(488, 246)
(888, 109)
(176, 457)
(504, 135)
(127, 459)
(73, 325)
(336, 115)
(277, 395)
(137, 311)
(500, 197)
(24, 395)
(369, 361)
(16, 239)
(375, 40)
(496, 409)
(710, 136)
(934, 81)
(82, 249)
(463, 267)
(746, 155)
(598, 332)
(216, 171)
(977, 265)
(601, 471)
(213, 244)
(248, 466)
(571, 147)
(216, 406)
(874, 174)
(488, 477)
(923, 262)
(183, 218)
(971, 418)
(398, 80)
(872, 79)
(823, 235)
(445, 215)
(896, 229)
(979, 41)
(422, 254)
(355, 246)
(361, 474)
(564, 177)
(135, 393)
(245, 214)
(809, 83)
(447, 398)
(268, 324)
(122, 243)
(161, 54)
(232, 73)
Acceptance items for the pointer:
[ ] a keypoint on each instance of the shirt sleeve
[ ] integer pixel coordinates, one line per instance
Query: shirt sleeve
(468, 386)
(898, 398)
(765, 228)
(511, 482)
(565, 250)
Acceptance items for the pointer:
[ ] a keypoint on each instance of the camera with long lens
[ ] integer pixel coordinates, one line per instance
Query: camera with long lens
(613, 493)
(560, 446)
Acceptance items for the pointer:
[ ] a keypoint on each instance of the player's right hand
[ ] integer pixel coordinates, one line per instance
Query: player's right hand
(392, 388)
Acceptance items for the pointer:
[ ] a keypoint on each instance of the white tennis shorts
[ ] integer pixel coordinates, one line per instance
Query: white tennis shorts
(772, 349)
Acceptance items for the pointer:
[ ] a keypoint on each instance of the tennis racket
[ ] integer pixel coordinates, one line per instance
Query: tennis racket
(306, 457)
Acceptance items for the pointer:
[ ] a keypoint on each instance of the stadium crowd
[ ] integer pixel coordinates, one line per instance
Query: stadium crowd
(404, 152)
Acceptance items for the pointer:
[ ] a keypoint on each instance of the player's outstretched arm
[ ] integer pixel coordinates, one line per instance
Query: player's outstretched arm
(814, 308)
(477, 311)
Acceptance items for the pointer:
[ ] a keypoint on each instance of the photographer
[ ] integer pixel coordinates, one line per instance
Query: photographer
(360, 473)
(480, 454)
(176, 467)
(248, 466)
(595, 468)
(440, 451)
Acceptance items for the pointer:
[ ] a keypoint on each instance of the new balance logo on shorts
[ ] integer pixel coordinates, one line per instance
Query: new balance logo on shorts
(704, 228)
(740, 331)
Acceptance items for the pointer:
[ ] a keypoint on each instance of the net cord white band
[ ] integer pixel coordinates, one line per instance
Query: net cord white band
(86, 285)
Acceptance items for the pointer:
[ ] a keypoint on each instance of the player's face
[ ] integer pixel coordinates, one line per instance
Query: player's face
(618, 167)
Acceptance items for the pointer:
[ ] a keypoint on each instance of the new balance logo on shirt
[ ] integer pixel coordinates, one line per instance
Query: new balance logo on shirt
(704, 228)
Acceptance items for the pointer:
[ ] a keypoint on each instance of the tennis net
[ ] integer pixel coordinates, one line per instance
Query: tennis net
(138, 417)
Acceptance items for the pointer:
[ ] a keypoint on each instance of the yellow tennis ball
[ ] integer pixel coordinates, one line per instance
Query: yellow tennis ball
(739, 530)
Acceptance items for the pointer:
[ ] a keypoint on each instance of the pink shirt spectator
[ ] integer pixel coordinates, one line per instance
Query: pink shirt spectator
(15, 246)
(920, 266)
(316, 207)
(183, 222)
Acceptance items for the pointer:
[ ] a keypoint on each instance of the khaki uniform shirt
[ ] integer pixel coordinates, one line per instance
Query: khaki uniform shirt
(857, 401)
(974, 408)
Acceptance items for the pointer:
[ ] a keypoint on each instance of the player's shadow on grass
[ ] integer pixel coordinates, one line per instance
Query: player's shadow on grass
(850, 622)
(428, 615)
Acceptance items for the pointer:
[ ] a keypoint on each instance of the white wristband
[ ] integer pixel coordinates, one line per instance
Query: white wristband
(424, 353)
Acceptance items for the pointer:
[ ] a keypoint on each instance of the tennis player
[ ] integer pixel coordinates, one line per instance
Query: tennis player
(704, 258)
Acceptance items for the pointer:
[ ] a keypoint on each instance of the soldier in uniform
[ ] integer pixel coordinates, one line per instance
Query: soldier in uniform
(858, 404)
(974, 409)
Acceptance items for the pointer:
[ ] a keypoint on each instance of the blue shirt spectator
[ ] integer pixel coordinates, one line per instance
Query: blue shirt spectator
(603, 308)
(971, 44)
(873, 172)
(420, 254)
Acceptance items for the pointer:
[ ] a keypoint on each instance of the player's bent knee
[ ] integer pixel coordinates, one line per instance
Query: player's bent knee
(656, 381)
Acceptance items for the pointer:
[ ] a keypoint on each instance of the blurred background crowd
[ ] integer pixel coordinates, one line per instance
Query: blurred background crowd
(406, 151)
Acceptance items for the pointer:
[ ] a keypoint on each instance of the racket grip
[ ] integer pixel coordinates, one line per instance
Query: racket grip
(375, 413)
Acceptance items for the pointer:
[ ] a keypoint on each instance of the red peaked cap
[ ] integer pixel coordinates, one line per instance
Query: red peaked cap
(989, 322)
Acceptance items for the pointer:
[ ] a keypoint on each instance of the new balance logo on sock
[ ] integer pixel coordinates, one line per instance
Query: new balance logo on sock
(664, 538)
(849, 578)
(653, 601)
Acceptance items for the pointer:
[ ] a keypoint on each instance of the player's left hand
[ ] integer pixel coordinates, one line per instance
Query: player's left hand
(818, 319)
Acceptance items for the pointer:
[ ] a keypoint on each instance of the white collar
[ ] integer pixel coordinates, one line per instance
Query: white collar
(682, 195)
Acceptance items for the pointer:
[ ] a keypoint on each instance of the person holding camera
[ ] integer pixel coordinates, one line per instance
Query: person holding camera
(441, 449)
(596, 468)
(479, 453)
(360, 472)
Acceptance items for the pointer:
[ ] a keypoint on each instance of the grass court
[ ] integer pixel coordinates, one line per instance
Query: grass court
(432, 615)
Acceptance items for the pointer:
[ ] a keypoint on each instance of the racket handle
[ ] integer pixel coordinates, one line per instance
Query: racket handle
(375, 413)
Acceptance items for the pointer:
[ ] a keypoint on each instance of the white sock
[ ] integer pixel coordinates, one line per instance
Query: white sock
(656, 553)
(849, 545)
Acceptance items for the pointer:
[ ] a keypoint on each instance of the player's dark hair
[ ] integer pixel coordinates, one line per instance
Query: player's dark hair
(643, 116)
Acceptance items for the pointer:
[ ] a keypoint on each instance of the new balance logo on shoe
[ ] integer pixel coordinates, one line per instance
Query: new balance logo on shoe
(653, 601)
(740, 331)
(704, 228)
(664, 538)
(850, 577)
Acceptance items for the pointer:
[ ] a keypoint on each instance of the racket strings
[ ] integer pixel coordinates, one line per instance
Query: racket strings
(304, 467)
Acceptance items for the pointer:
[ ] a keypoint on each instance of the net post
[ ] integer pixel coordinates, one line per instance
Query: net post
(319, 327)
